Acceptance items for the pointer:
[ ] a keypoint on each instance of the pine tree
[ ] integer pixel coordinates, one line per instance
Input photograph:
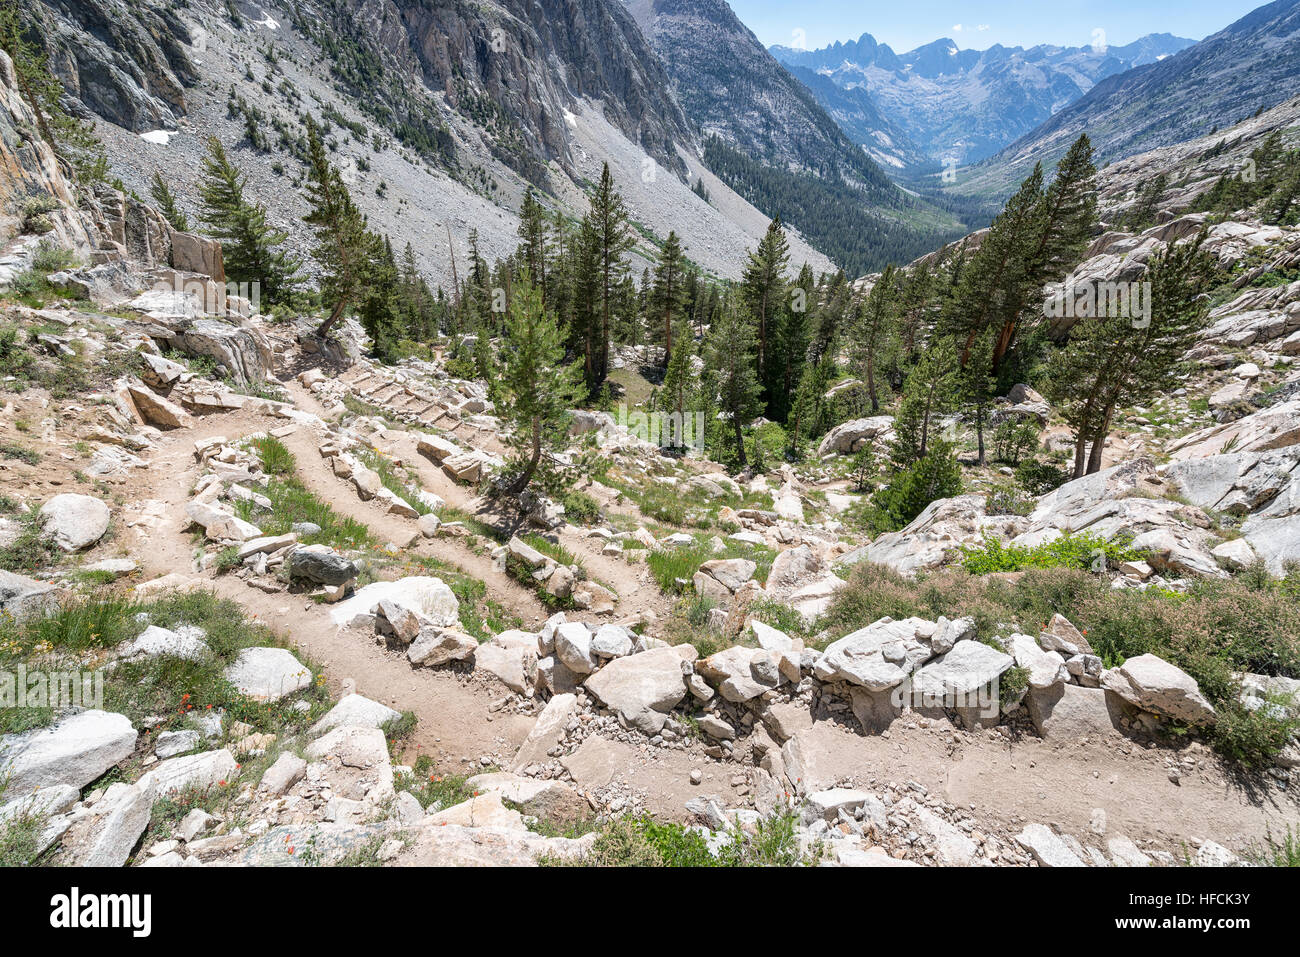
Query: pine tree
(1066, 223)
(679, 381)
(667, 296)
(1112, 361)
(344, 246)
(975, 389)
(532, 233)
(935, 475)
(379, 309)
(251, 248)
(732, 372)
(876, 327)
(167, 205)
(915, 295)
(416, 302)
(477, 301)
(994, 280)
(1143, 211)
(1036, 239)
(864, 466)
(536, 388)
(763, 289)
(930, 392)
(608, 236)
(1284, 201)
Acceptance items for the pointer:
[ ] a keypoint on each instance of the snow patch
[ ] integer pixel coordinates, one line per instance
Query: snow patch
(158, 137)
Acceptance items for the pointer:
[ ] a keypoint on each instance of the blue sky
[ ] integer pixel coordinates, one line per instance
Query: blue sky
(978, 25)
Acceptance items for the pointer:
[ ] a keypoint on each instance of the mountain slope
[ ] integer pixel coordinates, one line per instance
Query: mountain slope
(440, 114)
(768, 138)
(963, 105)
(857, 114)
(1251, 65)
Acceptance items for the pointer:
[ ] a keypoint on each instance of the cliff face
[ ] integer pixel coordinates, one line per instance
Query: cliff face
(30, 170)
(512, 67)
(125, 61)
(532, 58)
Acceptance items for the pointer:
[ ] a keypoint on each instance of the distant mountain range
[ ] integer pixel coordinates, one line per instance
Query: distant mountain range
(771, 140)
(940, 104)
(1249, 66)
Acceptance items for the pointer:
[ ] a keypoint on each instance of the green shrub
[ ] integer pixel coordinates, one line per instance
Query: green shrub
(1039, 478)
(1008, 500)
(434, 791)
(227, 560)
(31, 550)
(936, 475)
(10, 450)
(33, 212)
(276, 457)
(1068, 550)
(15, 359)
(1282, 851)
(644, 842)
(580, 508)
(1015, 439)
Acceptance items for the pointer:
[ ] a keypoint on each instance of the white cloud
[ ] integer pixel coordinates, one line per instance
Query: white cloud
(956, 28)
(982, 27)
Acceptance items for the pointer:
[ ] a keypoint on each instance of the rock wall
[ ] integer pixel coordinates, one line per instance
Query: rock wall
(29, 168)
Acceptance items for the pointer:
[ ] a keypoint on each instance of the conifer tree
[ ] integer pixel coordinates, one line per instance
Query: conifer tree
(679, 381)
(379, 309)
(1112, 361)
(667, 297)
(915, 295)
(763, 289)
(251, 248)
(532, 233)
(975, 389)
(789, 345)
(935, 475)
(344, 246)
(477, 301)
(167, 205)
(733, 377)
(536, 388)
(929, 393)
(876, 327)
(611, 237)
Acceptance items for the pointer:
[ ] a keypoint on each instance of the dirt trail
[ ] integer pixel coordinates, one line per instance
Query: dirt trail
(634, 585)
(455, 722)
(1005, 785)
(341, 495)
